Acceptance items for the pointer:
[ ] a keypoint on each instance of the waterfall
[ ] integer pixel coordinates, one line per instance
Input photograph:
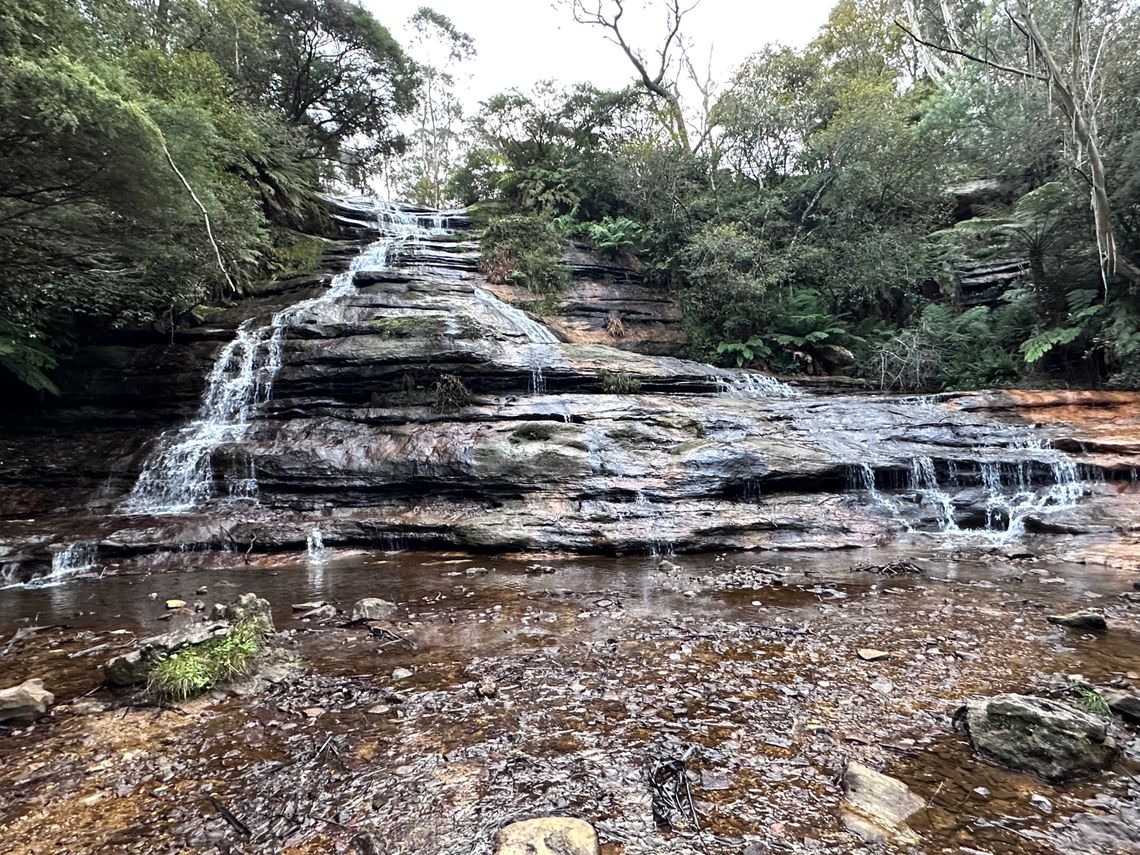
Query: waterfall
(73, 559)
(539, 353)
(924, 481)
(315, 550)
(516, 319)
(178, 475)
(749, 384)
(1010, 495)
(651, 517)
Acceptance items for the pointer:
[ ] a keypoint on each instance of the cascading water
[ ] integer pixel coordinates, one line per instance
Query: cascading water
(178, 476)
(73, 559)
(748, 384)
(924, 481)
(539, 353)
(516, 319)
(1008, 487)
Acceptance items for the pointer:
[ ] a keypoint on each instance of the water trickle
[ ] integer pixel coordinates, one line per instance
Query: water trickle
(73, 559)
(650, 516)
(749, 384)
(178, 475)
(924, 481)
(516, 320)
(315, 550)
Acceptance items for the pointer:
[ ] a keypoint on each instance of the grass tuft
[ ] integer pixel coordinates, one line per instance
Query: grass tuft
(191, 671)
(1090, 700)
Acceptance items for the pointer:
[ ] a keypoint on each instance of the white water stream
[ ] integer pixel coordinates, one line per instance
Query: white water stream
(1010, 494)
(178, 476)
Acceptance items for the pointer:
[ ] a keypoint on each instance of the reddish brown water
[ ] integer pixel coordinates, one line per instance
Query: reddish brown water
(595, 668)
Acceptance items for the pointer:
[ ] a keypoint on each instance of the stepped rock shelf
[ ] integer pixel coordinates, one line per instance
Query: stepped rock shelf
(320, 415)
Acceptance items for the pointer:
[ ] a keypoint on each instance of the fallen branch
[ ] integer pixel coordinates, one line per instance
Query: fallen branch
(205, 216)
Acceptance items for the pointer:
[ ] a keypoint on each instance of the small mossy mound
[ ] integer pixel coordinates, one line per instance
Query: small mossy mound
(619, 384)
(192, 670)
(406, 327)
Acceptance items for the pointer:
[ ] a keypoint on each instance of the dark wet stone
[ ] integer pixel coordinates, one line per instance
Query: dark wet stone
(1124, 704)
(1048, 738)
(1086, 619)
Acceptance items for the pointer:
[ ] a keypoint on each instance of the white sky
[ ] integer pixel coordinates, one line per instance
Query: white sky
(520, 42)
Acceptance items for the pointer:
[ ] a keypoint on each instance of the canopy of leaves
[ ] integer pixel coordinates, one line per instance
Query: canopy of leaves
(113, 108)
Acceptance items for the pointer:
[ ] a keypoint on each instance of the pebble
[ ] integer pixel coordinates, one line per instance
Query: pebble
(1041, 803)
(401, 673)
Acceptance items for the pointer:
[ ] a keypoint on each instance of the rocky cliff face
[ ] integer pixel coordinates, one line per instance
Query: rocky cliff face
(411, 406)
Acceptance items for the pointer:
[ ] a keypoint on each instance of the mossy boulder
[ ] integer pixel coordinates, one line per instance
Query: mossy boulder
(1051, 739)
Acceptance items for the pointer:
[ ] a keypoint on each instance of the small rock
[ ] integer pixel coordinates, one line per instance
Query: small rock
(1041, 803)
(870, 654)
(540, 569)
(176, 604)
(313, 712)
(372, 608)
(202, 590)
(26, 701)
(716, 779)
(487, 689)
(325, 612)
(876, 807)
(1083, 619)
(401, 673)
(478, 571)
(668, 566)
(982, 792)
(883, 687)
(551, 835)
(307, 607)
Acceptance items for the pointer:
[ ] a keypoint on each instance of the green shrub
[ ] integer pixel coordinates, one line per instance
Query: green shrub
(522, 249)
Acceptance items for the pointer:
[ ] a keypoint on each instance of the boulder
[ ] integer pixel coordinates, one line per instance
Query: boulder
(551, 835)
(1084, 619)
(875, 807)
(25, 701)
(372, 608)
(1049, 738)
(250, 607)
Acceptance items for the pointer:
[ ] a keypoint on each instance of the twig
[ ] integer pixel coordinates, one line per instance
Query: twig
(235, 823)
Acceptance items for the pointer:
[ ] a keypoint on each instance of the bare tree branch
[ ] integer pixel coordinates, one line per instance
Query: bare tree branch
(1020, 72)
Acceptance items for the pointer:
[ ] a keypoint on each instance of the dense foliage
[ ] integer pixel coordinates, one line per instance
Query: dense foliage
(820, 213)
(154, 154)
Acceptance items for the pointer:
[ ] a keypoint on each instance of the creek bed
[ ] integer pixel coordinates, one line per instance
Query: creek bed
(586, 672)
